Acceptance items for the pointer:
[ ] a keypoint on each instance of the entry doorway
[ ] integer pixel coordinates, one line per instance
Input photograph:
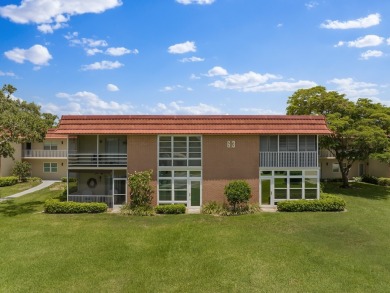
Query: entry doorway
(194, 198)
(266, 187)
(119, 191)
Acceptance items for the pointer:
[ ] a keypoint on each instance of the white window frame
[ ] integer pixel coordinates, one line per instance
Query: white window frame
(51, 167)
(48, 145)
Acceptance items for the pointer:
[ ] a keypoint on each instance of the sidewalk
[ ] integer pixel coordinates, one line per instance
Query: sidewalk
(44, 184)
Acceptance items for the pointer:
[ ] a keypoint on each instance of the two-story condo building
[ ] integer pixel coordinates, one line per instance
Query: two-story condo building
(193, 157)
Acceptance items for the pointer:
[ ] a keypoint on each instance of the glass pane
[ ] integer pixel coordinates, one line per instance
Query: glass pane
(165, 195)
(165, 163)
(310, 193)
(295, 182)
(165, 138)
(182, 155)
(311, 182)
(54, 147)
(54, 169)
(280, 193)
(266, 192)
(180, 163)
(165, 184)
(164, 173)
(194, 138)
(280, 182)
(311, 173)
(180, 194)
(194, 163)
(180, 139)
(295, 193)
(180, 184)
(194, 155)
(266, 173)
(195, 193)
(295, 173)
(280, 173)
(180, 173)
(195, 173)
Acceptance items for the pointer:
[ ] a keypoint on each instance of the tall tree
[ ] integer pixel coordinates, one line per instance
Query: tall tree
(20, 121)
(358, 129)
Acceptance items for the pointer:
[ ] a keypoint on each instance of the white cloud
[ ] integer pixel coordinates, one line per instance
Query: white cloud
(177, 107)
(93, 51)
(354, 88)
(371, 53)
(200, 2)
(260, 111)
(50, 15)
(9, 73)
(85, 102)
(182, 48)
(388, 41)
(279, 25)
(119, 51)
(192, 59)
(37, 55)
(311, 4)
(171, 88)
(194, 77)
(103, 65)
(112, 87)
(217, 71)
(366, 41)
(365, 22)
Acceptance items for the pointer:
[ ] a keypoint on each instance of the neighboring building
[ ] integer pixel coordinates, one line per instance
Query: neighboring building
(194, 157)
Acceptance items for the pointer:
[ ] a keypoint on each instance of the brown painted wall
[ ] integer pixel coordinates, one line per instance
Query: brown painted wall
(222, 164)
(142, 155)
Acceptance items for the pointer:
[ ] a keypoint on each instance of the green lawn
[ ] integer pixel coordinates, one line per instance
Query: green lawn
(267, 252)
(10, 190)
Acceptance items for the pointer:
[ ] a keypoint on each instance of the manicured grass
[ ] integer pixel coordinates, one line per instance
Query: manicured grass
(267, 252)
(10, 190)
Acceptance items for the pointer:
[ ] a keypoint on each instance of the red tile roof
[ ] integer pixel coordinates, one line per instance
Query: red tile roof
(194, 124)
(52, 133)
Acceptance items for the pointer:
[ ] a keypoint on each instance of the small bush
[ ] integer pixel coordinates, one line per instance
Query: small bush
(138, 211)
(22, 170)
(237, 192)
(69, 207)
(34, 179)
(72, 188)
(65, 179)
(370, 179)
(170, 209)
(214, 208)
(327, 203)
(382, 181)
(357, 179)
(141, 190)
(8, 181)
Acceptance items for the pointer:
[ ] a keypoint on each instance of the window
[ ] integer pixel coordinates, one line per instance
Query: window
(307, 143)
(180, 151)
(288, 143)
(50, 167)
(269, 143)
(50, 146)
(335, 168)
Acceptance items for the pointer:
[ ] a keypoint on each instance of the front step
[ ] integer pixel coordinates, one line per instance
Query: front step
(193, 210)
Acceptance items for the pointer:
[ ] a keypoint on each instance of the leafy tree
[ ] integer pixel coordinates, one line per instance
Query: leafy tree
(140, 189)
(237, 192)
(359, 129)
(20, 121)
(22, 170)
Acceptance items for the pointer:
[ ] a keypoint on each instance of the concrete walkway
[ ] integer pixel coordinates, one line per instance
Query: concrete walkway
(44, 184)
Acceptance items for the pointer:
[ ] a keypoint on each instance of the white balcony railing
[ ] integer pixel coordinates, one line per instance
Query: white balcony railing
(44, 154)
(97, 160)
(289, 159)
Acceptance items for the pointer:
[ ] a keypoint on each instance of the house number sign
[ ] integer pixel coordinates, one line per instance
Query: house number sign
(231, 144)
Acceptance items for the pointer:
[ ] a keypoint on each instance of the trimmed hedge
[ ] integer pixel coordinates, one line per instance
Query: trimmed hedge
(370, 179)
(170, 209)
(382, 181)
(327, 203)
(8, 181)
(69, 207)
(65, 179)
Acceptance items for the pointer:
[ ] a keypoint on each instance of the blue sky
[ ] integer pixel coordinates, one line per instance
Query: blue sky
(191, 56)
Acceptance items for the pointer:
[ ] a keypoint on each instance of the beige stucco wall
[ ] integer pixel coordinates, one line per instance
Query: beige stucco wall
(7, 164)
(327, 172)
(37, 168)
(142, 155)
(378, 169)
(60, 142)
(222, 164)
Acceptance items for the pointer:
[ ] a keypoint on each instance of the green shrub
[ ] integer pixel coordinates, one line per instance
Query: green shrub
(8, 181)
(327, 203)
(357, 179)
(237, 192)
(52, 206)
(72, 188)
(22, 170)
(140, 188)
(71, 179)
(384, 181)
(34, 179)
(370, 179)
(214, 208)
(170, 209)
(138, 211)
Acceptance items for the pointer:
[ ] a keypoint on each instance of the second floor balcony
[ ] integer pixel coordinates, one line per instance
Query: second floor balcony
(289, 159)
(96, 160)
(39, 154)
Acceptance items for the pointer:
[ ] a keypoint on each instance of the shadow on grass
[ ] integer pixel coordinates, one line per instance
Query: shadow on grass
(11, 208)
(363, 190)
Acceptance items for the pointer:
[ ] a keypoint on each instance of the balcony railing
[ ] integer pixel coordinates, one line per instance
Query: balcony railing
(289, 159)
(97, 160)
(44, 154)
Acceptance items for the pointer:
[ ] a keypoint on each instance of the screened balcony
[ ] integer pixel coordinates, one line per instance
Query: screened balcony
(289, 159)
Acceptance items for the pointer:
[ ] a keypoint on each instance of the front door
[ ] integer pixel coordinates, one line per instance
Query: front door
(266, 192)
(119, 191)
(194, 193)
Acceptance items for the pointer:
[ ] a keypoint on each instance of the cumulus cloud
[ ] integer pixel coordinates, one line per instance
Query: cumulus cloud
(200, 2)
(370, 54)
(182, 48)
(171, 88)
(54, 14)
(365, 22)
(217, 71)
(354, 89)
(257, 82)
(85, 102)
(178, 107)
(366, 41)
(102, 65)
(9, 73)
(37, 55)
(311, 4)
(192, 59)
(119, 51)
(112, 87)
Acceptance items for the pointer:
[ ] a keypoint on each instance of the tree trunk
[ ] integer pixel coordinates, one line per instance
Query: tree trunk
(344, 176)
